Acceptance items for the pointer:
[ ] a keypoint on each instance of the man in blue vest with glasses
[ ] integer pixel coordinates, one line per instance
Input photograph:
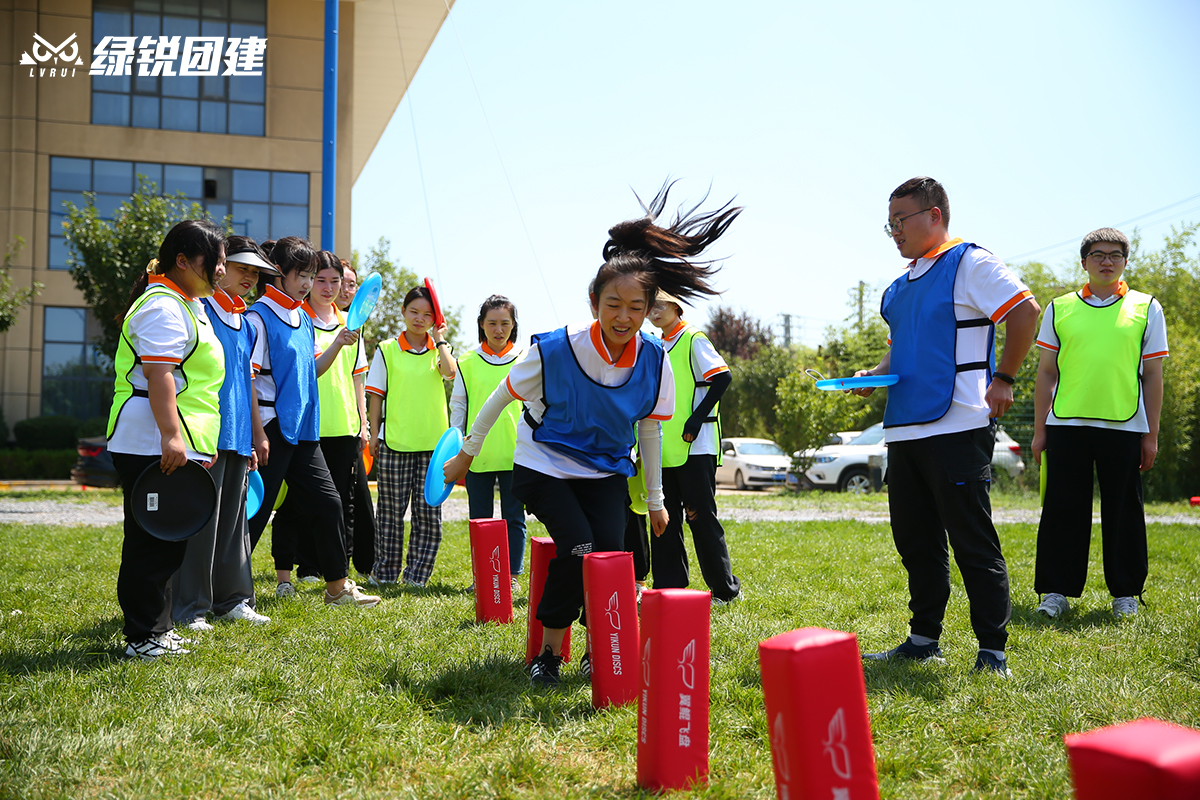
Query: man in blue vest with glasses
(939, 421)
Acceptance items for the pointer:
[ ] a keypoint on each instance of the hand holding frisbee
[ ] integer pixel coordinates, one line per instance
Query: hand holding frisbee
(851, 383)
(364, 301)
(436, 488)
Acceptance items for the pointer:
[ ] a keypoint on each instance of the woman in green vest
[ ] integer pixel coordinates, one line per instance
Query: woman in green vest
(343, 424)
(408, 416)
(480, 371)
(170, 365)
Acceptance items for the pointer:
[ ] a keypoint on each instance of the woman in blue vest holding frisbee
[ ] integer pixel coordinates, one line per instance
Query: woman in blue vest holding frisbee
(585, 387)
(170, 366)
(288, 445)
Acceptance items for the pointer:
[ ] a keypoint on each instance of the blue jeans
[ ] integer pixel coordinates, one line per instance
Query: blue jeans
(481, 502)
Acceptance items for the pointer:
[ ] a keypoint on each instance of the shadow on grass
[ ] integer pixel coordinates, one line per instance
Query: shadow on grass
(488, 692)
(905, 677)
(1074, 621)
(78, 651)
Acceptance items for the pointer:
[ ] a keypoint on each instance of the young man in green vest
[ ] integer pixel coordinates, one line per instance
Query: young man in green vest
(691, 447)
(1097, 404)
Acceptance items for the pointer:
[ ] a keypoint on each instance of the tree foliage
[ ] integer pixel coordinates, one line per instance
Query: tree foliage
(748, 406)
(807, 416)
(106, 257)
(387, 321)
(13, 300)
(737, 335)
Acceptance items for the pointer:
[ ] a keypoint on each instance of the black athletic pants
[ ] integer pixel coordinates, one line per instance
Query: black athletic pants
(938, 487)
(1065, 532)
(147, 563)
(690, 493)
(582, 515)
(364, 521)
(342, 457)
(303, 466)
(637, 541)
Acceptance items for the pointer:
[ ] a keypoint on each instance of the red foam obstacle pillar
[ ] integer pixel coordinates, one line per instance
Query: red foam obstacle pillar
(541, 552)
(1146, 758)
(610, 600)
(672, 748)
(816, 702)
(489, 565)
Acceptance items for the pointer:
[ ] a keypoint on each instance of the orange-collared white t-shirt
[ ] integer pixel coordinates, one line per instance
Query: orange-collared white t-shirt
(983, 287)
(706, 362)
(160, 332)
(524, 383)
(1154, 345)
(264, 384)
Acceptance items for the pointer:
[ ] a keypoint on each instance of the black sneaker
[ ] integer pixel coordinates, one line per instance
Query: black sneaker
(987, 662)
(544, 669)
(585, 666)
(910, 651)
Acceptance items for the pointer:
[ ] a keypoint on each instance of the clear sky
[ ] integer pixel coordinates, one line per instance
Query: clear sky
(535, 120)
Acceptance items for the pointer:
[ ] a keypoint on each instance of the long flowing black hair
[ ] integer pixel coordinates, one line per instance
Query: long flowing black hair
(658, 257)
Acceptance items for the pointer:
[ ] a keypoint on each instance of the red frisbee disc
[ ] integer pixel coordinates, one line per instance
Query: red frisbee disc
(438, 318)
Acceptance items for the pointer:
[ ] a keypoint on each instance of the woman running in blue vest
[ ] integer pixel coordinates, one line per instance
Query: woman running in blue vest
(480, 371)
(170, 366)
(286, 365)
(584, 388)
(215, 576)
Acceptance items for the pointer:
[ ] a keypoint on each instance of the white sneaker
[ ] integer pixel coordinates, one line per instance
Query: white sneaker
(311, 579)
(516, 586)
(351, 595)
(199, 624)
(244, 613)
(1125, 606)
(1054, 605)
(172, 636)
(285, 589)
(154, 647)
(373, 581)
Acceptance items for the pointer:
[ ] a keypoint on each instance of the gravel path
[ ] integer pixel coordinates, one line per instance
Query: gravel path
(50, 512)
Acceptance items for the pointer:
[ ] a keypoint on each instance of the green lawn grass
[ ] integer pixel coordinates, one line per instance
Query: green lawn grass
(413, 699)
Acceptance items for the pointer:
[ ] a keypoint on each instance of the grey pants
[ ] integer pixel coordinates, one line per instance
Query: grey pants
(215, 575)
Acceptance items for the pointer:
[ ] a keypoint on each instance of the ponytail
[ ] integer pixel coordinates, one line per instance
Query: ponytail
(661, 258)
(190, 238)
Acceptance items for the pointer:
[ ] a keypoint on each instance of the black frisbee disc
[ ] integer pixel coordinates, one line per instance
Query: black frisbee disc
(174, 507)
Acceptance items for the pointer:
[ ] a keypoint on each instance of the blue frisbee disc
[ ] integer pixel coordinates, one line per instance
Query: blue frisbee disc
(436, 488)
(254, 494)
(860, 382)
(364, 302)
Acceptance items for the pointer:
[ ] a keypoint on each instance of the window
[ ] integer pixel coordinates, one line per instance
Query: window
(77, 379)
(209, 103)
(263, 204)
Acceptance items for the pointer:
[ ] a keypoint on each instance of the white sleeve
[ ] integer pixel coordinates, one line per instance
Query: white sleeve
(989, 286)
(1154, 342)
(525, 377)
(160, 331)
(377, 376)
(259, 357)
(488, 414)
(360, 361)
(1047, 337)
(706, 360)
(650, 449)
(664, 405)
(458, 403)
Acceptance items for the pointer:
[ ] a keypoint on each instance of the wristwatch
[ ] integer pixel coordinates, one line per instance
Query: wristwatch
(1004, 376)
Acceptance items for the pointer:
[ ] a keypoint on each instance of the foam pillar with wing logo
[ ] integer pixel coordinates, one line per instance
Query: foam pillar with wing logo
(610, 600)
(816, 702)
(1144, 758)
(489, 565)
(672, 747)
(541, 552)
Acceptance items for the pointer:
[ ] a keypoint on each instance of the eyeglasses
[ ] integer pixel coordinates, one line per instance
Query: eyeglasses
(892, 228)
(1099, 257)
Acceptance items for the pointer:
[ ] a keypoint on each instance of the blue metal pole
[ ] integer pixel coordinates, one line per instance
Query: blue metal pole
(329, 129)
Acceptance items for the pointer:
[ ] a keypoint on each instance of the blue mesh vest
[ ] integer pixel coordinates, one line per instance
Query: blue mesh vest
(924, 333)
(294, 371)
(587, 421)
(235, 392)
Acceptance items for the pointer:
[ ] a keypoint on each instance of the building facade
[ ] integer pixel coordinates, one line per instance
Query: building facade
(220, 100)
